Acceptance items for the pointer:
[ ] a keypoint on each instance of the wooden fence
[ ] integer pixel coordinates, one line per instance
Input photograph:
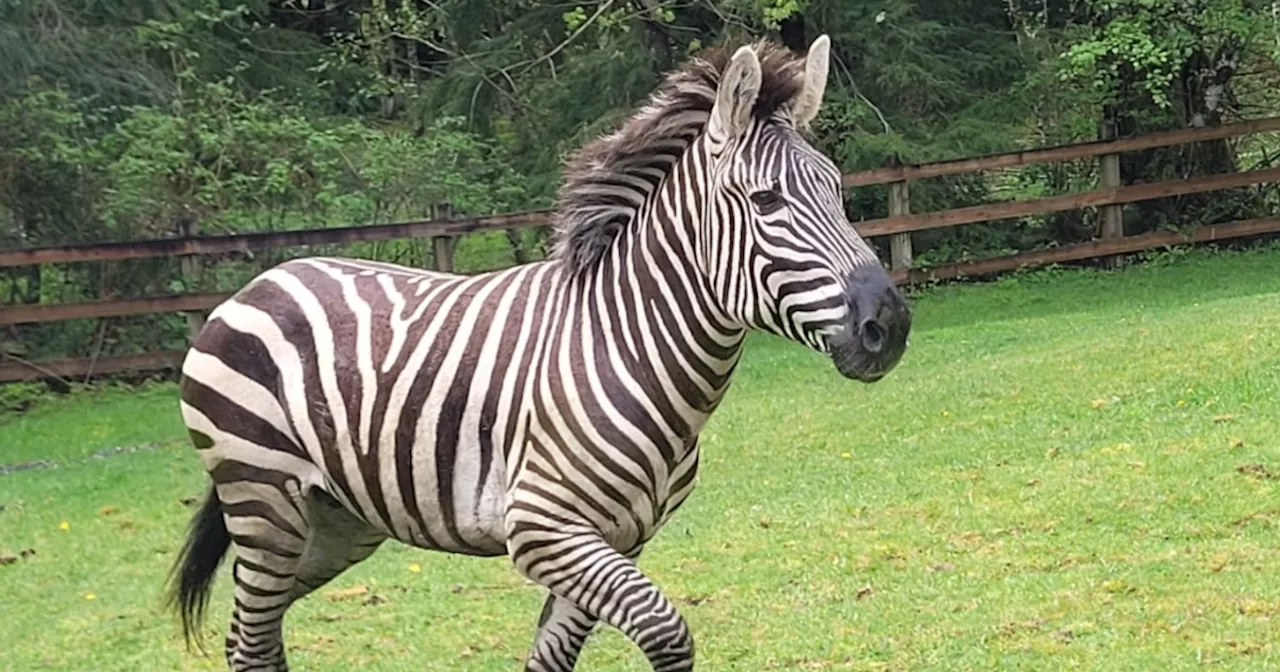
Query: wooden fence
(900, 223)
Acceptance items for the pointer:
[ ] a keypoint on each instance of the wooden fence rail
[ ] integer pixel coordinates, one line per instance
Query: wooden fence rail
(249, 242)
(900, 223)
(1101, 197)
(1084, 150)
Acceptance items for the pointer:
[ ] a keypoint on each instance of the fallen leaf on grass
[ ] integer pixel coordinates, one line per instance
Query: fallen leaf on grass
(1259, 470)
(188, 501)
(1242, 648)
(27, 552)
(864, 591)
(374, 600)
(346, 593)
(941, 567)
(1033, 483)
(1254, 607)
(1261, 516)
(1013, 628)
(1227, 417)
(1117, 586)
(322, 642)
(108, 510)
(415, 568)
(1237, 443)
(7, 559)
(1122, 447)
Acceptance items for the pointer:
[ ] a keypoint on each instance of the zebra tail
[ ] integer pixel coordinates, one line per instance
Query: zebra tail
(196, 566)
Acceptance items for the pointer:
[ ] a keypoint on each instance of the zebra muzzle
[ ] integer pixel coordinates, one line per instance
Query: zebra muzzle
(874, 337)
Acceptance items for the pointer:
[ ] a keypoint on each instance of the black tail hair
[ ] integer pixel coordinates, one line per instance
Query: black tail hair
(197, 564)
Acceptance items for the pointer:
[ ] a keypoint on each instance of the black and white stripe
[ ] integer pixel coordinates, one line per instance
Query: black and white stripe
(550, 411)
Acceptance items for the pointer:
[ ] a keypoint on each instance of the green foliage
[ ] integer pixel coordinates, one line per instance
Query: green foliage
(1145, 45)
(19, 397)
(769, 13)
(407, 173)
(229, 159)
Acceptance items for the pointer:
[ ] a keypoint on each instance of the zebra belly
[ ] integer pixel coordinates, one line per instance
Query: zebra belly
(467, 515)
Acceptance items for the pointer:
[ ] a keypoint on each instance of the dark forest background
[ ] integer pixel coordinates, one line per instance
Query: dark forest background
(122, 120)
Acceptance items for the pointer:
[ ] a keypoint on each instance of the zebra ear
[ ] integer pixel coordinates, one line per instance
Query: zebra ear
(816, 66)
(739, 88)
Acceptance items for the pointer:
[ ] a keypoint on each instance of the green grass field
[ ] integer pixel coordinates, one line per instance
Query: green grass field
(1069, 470)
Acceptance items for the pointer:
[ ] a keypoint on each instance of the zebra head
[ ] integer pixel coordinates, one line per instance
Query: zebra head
(780, 253)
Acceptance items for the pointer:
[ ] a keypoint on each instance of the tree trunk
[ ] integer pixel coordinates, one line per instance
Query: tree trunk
(792, 32)
(1201, 97)
(659, 41)
(517, 247)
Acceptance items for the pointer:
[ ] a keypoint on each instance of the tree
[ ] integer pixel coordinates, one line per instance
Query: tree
(1156, 64)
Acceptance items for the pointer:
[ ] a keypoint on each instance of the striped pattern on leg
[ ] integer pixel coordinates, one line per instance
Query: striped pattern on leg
(600, 581)
(562, 631)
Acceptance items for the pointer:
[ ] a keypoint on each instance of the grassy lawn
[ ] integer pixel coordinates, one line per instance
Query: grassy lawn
(1068, 471)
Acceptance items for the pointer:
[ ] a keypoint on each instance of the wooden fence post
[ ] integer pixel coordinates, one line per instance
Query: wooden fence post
(443, 246)
(900, 244)
(1112, 215)
(899, 204)
(1109, 178)
(191, 265)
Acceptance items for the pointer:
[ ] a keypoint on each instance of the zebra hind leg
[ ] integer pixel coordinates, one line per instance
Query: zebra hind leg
(269, 531)
(598, 580)
(338, 540)
(562, 631)
(282, 557)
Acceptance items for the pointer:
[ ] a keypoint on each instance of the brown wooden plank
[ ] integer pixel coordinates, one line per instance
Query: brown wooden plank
(144, 306)
(12, 371)
(1089, 250)
(245, 242)
(1082, 150)
(1012, 209)
(900, 251)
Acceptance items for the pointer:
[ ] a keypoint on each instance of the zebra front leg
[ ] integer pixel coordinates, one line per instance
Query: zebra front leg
(588, 573)
(562, 631)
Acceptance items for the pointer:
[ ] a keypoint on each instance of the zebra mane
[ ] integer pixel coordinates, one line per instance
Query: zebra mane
(607, 181)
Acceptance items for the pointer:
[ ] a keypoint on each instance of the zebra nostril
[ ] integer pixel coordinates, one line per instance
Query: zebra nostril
(873, 336)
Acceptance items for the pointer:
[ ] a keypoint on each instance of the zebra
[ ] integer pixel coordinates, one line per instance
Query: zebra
(549, 412)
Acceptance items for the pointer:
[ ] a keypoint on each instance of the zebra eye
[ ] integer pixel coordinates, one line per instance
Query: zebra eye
(768, 201)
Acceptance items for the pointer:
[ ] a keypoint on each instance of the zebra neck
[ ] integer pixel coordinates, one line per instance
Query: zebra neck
(653, 301)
